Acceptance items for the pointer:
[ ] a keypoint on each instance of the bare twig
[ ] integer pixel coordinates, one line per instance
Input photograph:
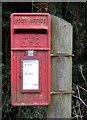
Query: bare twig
(32, 5)
(77, 109)
(80, 87)
(19, 109)
(81, 71)
(80, 100)
(78, 92)
(78, 116)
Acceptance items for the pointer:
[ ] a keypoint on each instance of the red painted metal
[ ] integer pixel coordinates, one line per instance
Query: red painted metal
(30, 31)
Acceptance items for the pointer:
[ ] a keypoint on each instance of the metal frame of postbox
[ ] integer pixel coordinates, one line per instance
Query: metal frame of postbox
(38, 24)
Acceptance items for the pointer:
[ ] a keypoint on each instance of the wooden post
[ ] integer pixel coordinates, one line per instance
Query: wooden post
(61, 69)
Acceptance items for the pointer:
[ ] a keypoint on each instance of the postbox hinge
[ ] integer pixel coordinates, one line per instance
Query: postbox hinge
(61, 55)
(62, 92)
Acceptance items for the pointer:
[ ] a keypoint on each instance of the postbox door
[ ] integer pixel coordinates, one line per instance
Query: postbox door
(31, 95)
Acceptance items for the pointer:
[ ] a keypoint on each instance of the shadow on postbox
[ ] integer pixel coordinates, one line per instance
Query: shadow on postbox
(30, 59)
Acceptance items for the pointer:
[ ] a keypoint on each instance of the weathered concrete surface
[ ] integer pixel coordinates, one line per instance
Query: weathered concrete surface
(61, 69)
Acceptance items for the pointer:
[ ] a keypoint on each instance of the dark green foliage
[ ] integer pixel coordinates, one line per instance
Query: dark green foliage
(36, 112)
(75, 13)
(57, 11)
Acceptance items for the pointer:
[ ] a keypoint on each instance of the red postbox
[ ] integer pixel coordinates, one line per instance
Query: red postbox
(30, 59)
